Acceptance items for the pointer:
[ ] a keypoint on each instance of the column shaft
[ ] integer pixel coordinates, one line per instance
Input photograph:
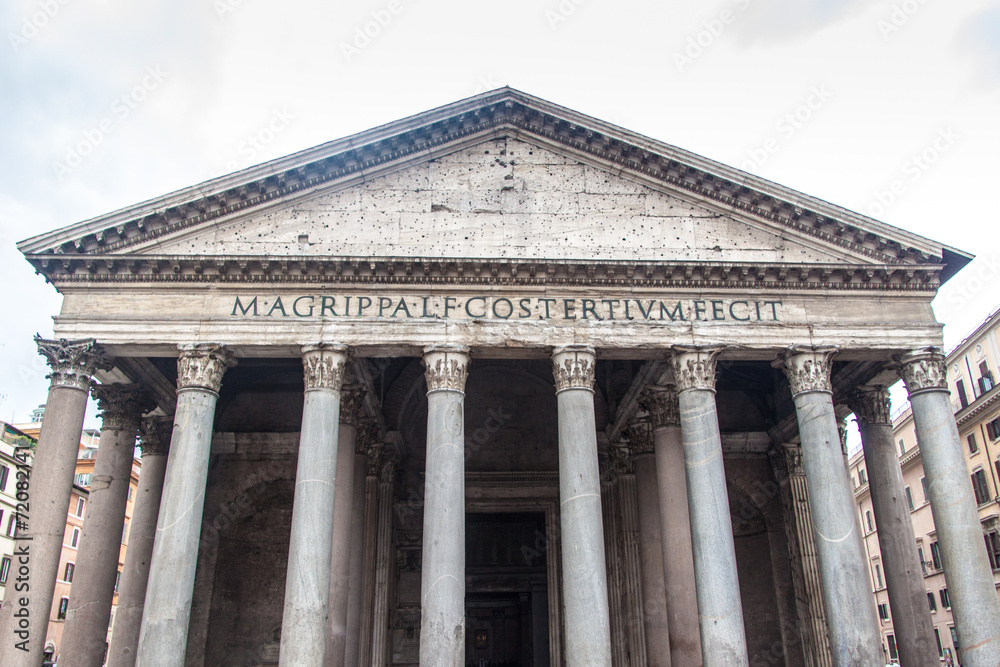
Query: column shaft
(442, 583)
(368, 560)
(612, 561)
(383, 562)
(675, 527)
(307, 581)
(163, 637)
(654, 597)
(850, 612)
(911, 618)
(356, 572)
(40, 531)
(135, 574)
(89, 609)
(631, 566)
(340, 560)
(967, 570)
(720, 608)
(585, 588)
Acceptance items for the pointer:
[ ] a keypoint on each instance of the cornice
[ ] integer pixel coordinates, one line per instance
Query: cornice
(158, 269)
(502, 113)
(977, 407)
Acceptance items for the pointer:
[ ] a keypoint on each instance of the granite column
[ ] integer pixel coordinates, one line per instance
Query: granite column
(585, 587)
(911, 618)
(163, 637)
(442, 583)
(850, 613)
(967, 570)
(40, 533)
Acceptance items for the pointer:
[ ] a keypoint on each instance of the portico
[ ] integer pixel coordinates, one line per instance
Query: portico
(575, 372)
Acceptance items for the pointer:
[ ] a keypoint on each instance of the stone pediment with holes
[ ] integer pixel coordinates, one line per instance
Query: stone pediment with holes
(504, 199)
(502, 185)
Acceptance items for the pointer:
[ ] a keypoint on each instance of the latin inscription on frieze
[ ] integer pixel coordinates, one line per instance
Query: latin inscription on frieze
(489, 307)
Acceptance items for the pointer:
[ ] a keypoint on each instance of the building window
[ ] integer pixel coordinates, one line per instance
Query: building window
(979, 486)
(63, 605)
(75, 538)
(11, 525)
(68, 574)
(4, 471)
(124, 532)
(973, 445)
(80, 502)
(937, 636)
(868, 520)
(878, 575)
(923, 561)
(962, 396)
(936, 555)
(893, 653)
(909, 498)
(4, 569)
(945, 600)
(993, 549)
(986, 378)
(863, 476)
(993, 429)
(118, 580)
(129, 493)
(923, 487)
(883, 611)
(902, 446)
(931, 601)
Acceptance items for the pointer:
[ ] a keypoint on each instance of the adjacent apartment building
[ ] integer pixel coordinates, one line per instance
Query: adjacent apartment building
(972, 367)
(15, 452)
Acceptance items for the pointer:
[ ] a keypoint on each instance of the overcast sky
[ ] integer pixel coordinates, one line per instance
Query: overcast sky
(887, 108)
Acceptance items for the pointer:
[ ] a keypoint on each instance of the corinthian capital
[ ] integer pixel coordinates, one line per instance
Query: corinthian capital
(121, 405)
(154, 435)
(573, 367)
(73, 362)
(871, 405)
(202, 365)
(694, 367)
(640, 437)
(324, 366)
(807, 368)
(660, 401)
(352, 402)
(923, 370)
(446, 367)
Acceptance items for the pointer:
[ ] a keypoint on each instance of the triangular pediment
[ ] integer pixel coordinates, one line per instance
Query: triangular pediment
(500, 176)
(503, 198)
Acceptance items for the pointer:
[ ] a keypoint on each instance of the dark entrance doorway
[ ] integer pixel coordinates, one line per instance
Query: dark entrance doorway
(506, 603)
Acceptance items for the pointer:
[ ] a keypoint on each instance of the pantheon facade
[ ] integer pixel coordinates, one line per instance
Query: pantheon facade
(496, 384)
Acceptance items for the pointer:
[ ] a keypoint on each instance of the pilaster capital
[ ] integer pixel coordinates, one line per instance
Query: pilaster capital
(621, 460)
(573, 367)
(786, 460)
(694, 367)
(660, 402)
(871, 405)
(154, 435)
(73, 362)
(807, 368)
(605, 468)
(640, 437)
(446, 367)
(324, 366)
(202, 365)
(121, 405)
(352, 403)
(388, 467)
(923, 370)
(368, 435)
